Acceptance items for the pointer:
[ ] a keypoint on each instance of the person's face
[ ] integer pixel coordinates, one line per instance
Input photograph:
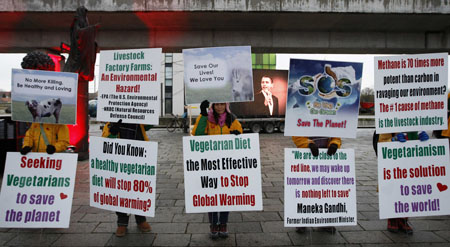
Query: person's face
(219, 107)
(266, 84)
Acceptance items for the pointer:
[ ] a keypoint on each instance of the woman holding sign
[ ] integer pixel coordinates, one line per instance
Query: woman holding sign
(314, 143)
(42, 137)
(218, 121)
(132, 132)
(400, 224)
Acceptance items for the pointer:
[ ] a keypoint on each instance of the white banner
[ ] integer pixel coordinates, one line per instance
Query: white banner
(129, 87)
(411, 92)
(413, 179)
(319, 191)
(44, 96)
(222, 173)
(123, 175)
(37, 190)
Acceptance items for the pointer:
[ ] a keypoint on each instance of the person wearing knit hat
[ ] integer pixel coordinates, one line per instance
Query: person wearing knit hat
(217, 121)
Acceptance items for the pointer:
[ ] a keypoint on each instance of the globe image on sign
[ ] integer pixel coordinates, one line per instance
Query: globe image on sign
(343, 88)
(326, 84)
(306, 85)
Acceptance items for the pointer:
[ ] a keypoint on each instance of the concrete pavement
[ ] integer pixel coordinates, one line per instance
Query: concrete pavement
(173, 227)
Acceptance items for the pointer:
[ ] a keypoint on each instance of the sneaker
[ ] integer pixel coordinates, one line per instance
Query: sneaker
(144, 227)
(392, 225)
(300, 229)
(223, 232)
(330, 229)
(214, 231)
(404, 226)
(121, 231)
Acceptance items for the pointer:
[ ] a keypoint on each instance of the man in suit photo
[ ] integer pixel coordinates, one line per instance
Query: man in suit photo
(265, 99)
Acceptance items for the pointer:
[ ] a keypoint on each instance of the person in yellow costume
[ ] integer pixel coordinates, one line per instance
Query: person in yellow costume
(314, 143)
(42, 137)
(218, 121)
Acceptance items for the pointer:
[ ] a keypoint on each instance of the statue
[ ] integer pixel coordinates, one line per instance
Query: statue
(82, 55)
(83, 48)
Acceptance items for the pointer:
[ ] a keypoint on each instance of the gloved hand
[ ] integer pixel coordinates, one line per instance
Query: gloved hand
(314, 149)
(51, 149)
(114, 128)
(204, 108)
(399, 137)
(25, 150)
(423, 136)
(236, 132)
(332, 149)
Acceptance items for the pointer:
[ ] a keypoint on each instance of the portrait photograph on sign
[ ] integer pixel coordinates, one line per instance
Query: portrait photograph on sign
(270, 95)
(218, 74)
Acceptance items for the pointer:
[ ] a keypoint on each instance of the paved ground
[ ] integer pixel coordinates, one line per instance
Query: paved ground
(172, 227)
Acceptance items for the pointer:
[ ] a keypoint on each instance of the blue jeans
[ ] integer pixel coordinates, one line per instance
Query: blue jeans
(218, 217)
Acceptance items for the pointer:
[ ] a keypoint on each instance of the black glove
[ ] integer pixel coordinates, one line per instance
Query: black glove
(314, 149)
(332, 149)
(114, 128)
(25, 150)
(236, 132)
(51, 149)
(204, 108)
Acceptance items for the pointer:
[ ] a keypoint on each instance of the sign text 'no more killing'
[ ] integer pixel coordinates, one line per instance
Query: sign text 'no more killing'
(319, 191)
(222, 173)
(413, 179)
(129, 86)
(123, 175)
(411, 92)
(37, 190)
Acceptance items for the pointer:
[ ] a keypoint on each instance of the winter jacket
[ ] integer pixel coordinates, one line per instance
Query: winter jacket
(321, 142)
(204, 127)
(57, 135)
(128, 131)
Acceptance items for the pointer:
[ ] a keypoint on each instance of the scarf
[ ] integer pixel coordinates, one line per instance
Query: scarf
(222, 118)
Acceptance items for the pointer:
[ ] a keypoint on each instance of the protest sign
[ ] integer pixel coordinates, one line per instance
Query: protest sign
(129, 87)
(323, 98)
(413, 179)
(123, 175)
(218, 74)
(44, 96)
(319, 191)
(222, 173)
(411, 92)
(37, 190)
(269, 86)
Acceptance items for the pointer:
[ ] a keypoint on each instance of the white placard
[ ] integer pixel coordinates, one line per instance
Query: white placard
(411, 92)
(319, 191)
(222, 173)
(123, 175)
(129, 87)
(37, 190)
(218, 74)
(413, 179)
(44, 96)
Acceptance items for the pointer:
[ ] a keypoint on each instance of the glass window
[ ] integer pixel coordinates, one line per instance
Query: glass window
(273, 59)
(169, 58)
(169, 71)
(168, 106)
(265, 59)
(168, 82)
